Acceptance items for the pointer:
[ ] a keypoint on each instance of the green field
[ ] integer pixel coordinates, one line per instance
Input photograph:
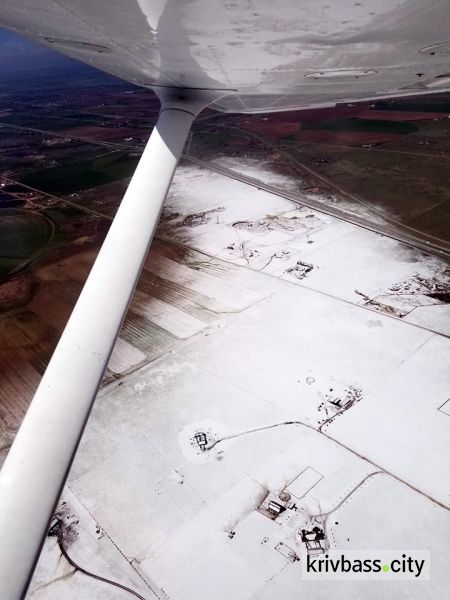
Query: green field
(82, 174)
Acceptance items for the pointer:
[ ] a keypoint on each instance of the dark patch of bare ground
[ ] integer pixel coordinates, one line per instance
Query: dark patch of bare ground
(300, 270)
(436, 288)
(270, 223)
(334, 406)
(433, 287)
(193, 220)
(66, 525)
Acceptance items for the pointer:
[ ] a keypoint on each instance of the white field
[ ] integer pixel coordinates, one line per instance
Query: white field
(268, 381)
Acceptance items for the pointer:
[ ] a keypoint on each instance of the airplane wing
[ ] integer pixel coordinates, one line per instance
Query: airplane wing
(268, 56)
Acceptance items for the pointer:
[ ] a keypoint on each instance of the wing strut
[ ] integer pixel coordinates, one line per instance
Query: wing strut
(39, 460)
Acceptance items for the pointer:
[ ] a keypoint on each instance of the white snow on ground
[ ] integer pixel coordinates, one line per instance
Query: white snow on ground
(297, 388)
(265, 172)
(437, 316)
(89, 546)
(266, 233)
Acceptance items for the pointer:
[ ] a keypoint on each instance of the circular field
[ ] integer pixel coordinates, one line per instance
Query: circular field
(23, 235)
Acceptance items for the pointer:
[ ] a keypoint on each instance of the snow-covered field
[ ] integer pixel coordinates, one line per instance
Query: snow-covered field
(314, 366)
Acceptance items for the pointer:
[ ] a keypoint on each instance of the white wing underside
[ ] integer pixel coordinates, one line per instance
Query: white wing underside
(265, 55)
